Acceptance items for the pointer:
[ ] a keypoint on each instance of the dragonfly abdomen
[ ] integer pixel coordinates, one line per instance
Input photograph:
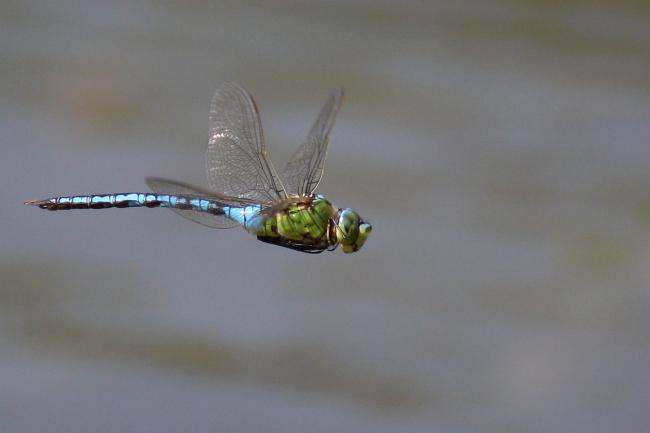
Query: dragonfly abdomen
(125, 200)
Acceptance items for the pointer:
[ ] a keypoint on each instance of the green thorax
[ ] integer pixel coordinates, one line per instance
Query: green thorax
(308, 222)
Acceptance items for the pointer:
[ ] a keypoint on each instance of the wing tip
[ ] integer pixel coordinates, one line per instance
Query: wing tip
(230, 85)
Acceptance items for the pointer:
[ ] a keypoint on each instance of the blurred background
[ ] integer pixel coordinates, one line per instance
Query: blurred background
(499, 148)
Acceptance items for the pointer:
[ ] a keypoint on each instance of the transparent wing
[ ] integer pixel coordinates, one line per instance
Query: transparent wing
(303, 172)
(165, 186)
(236, 159)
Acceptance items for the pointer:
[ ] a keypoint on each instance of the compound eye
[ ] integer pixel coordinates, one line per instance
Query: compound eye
(349, 220)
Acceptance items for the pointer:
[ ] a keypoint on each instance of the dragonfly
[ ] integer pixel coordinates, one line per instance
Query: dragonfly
(244, 188)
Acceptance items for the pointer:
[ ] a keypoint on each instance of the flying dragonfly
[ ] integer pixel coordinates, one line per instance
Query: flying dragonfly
(245, 190)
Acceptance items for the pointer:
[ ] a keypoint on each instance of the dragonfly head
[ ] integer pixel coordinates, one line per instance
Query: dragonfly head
(351, 231)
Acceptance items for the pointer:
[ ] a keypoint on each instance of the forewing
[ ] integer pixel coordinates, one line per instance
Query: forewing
(172, 187)
(303, 172)
(237, 163)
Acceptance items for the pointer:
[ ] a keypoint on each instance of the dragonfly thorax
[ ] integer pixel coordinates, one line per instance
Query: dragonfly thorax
(306, 225)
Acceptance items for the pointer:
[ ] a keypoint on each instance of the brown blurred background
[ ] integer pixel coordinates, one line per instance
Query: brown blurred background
(501, 150)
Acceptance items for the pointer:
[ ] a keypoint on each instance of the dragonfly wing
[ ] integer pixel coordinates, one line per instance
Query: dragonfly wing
(172, 187)
(303, 172)
(237, 163)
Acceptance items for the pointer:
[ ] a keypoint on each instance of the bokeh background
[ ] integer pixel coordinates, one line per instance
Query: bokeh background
(501, 150)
